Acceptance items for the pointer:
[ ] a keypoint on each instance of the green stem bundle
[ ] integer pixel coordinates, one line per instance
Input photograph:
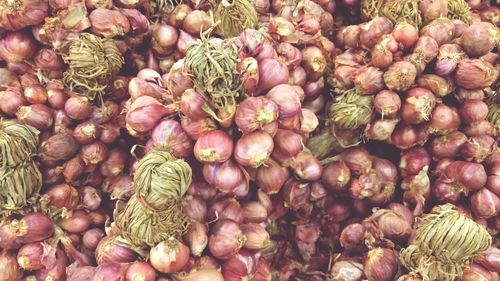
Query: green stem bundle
(214, 73)
(20, 179)
(445, 241)
(234, 16)
(154, 213)
(92, 63)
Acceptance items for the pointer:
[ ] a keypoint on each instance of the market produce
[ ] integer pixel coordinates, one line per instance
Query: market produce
(309, 140)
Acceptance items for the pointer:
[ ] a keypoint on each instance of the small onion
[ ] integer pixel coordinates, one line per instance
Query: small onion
(11, 270)
(271, 177)
(30, 256)
(475, 74)
(78, 108)
(381, 264)
(169, 256)
(485, 204)
(110, 250)
(140, 271)
(213, 146)
(271, 74)
(79, 221)
(400, 76)
(256, 113)
(226, 239)
(169, 135)
(253, 149)
(336, 175)
(36, 115)
(306, 166)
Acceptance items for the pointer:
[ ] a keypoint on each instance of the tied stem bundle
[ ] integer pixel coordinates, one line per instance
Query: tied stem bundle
(163, 8)
(92, 63)
(234, 16)
(351, 110)
(214, 73)
(494, 110)
(459, 10)
(17, 143)
(20, 179)
(154, 213)
(402, 11)
(445, 241)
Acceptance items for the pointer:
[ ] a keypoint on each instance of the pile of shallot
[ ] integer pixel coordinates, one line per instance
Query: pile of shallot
(341, 134)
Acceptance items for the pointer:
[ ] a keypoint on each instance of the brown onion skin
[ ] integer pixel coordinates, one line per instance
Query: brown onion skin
(372, 32)
(94, 153)
(440, 29)
(475, 272)
(11, 271)
(352, 236)
(226, 239)
(17, 46)
(164, 39)
(109, 250)
(380, 264)
(254, 212)
(178, 15)
(338, 211)
(63, 196)
(294, 194)
(57, 271)
(59, 147)
(105, 112)
(195, 207)
(56, 98)
(35, 94)
(240, 267)
(90, 198)
(489, 259)
(287, 144)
